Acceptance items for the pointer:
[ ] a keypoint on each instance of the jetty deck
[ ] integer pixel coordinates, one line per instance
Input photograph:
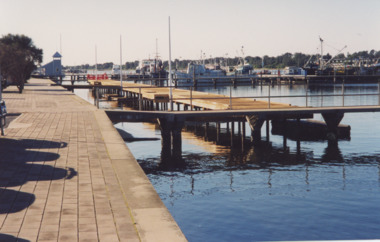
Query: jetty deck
(203, 100)
(67, 175)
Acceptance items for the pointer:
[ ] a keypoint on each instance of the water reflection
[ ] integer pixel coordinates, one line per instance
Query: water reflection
(262, 156)
(332, 153)
(266, 157)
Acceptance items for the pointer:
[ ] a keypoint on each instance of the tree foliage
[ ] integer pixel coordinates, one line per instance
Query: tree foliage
(18, 58)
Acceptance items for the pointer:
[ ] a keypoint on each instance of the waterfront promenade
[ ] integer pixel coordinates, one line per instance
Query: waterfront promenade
(67, 175)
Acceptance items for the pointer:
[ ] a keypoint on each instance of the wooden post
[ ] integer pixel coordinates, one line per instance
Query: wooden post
(243, 136)
(268, 96)
(217, 132)
(298, 136)
(176, 149)
(231, 97)
(332, 121)
(285, 135)
(191, 99)
(232, 133)
(157, 106)
(206, 131)
(165, 139)
(378, 92)
(267, 129)
(307, 89)
(255, 122)
(140, 99)
(343, 93)
(97, 97)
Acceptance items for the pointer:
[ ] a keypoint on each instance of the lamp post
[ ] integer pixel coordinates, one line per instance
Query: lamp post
(1, 87)
(121, 68)
(170, 72)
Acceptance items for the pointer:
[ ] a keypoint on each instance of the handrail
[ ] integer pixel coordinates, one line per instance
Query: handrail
(267, 97)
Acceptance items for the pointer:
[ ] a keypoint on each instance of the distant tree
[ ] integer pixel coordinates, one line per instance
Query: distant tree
(327, 57)
(18, 58)
(131, 65)
(300, 59)
(281, 61)
(372, 54)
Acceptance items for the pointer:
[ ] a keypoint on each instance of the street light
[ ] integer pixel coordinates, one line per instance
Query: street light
(170, 72)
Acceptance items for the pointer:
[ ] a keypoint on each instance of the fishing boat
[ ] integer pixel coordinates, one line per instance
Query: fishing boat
(198, 72)
(115, 72)
(242, 69)
(153, 68)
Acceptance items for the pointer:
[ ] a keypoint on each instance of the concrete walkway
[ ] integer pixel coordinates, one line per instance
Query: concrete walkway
(66, 175)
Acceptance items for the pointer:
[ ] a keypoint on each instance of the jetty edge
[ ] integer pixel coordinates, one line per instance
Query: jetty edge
(95, 189)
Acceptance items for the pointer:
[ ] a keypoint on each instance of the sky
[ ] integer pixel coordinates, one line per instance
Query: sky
(218, 28)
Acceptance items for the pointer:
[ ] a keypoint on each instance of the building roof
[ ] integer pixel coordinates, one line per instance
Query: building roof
(57, 55)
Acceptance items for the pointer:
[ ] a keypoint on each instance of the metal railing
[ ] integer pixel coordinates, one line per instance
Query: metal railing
(268, 97)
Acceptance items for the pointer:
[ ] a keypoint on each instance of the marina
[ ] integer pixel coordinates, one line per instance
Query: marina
(228, 122)
(171, 108)
(189, 121)
(187, 81)
(232, 193)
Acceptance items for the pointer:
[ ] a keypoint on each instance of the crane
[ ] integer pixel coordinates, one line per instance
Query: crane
(336, 54)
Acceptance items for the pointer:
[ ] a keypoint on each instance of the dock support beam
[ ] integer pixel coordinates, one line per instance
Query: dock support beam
(171, 139)
(255, 122)
(332, 121)
(243, 136)
(217, 132)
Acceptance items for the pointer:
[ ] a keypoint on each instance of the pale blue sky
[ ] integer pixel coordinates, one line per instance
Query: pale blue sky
(217, 27)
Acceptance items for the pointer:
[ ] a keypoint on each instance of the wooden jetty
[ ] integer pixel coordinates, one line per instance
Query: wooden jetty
(156, 104)
(150, 95)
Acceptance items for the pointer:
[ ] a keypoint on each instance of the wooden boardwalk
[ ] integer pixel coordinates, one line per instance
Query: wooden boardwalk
(66, 175)
(202, 100)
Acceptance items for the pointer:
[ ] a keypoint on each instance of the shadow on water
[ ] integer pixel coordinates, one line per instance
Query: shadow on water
(18, 165)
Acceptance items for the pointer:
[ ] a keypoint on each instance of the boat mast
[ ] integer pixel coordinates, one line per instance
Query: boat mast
(321, 59)
(156, 59)
(121, 67)
(96, 64)
(156, 49)
(242, 55)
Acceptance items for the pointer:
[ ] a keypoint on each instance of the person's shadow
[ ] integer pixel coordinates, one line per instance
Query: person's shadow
(19, 164)
(11, 238)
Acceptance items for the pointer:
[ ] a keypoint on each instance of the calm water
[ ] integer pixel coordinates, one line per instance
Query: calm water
(272, 192)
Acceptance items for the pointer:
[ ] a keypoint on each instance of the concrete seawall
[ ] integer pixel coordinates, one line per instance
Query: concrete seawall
(67, 175)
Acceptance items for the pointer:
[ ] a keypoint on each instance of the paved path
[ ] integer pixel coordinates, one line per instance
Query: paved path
(66, 175)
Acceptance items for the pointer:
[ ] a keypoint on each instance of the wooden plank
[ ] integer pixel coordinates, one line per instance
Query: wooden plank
(207, 101)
